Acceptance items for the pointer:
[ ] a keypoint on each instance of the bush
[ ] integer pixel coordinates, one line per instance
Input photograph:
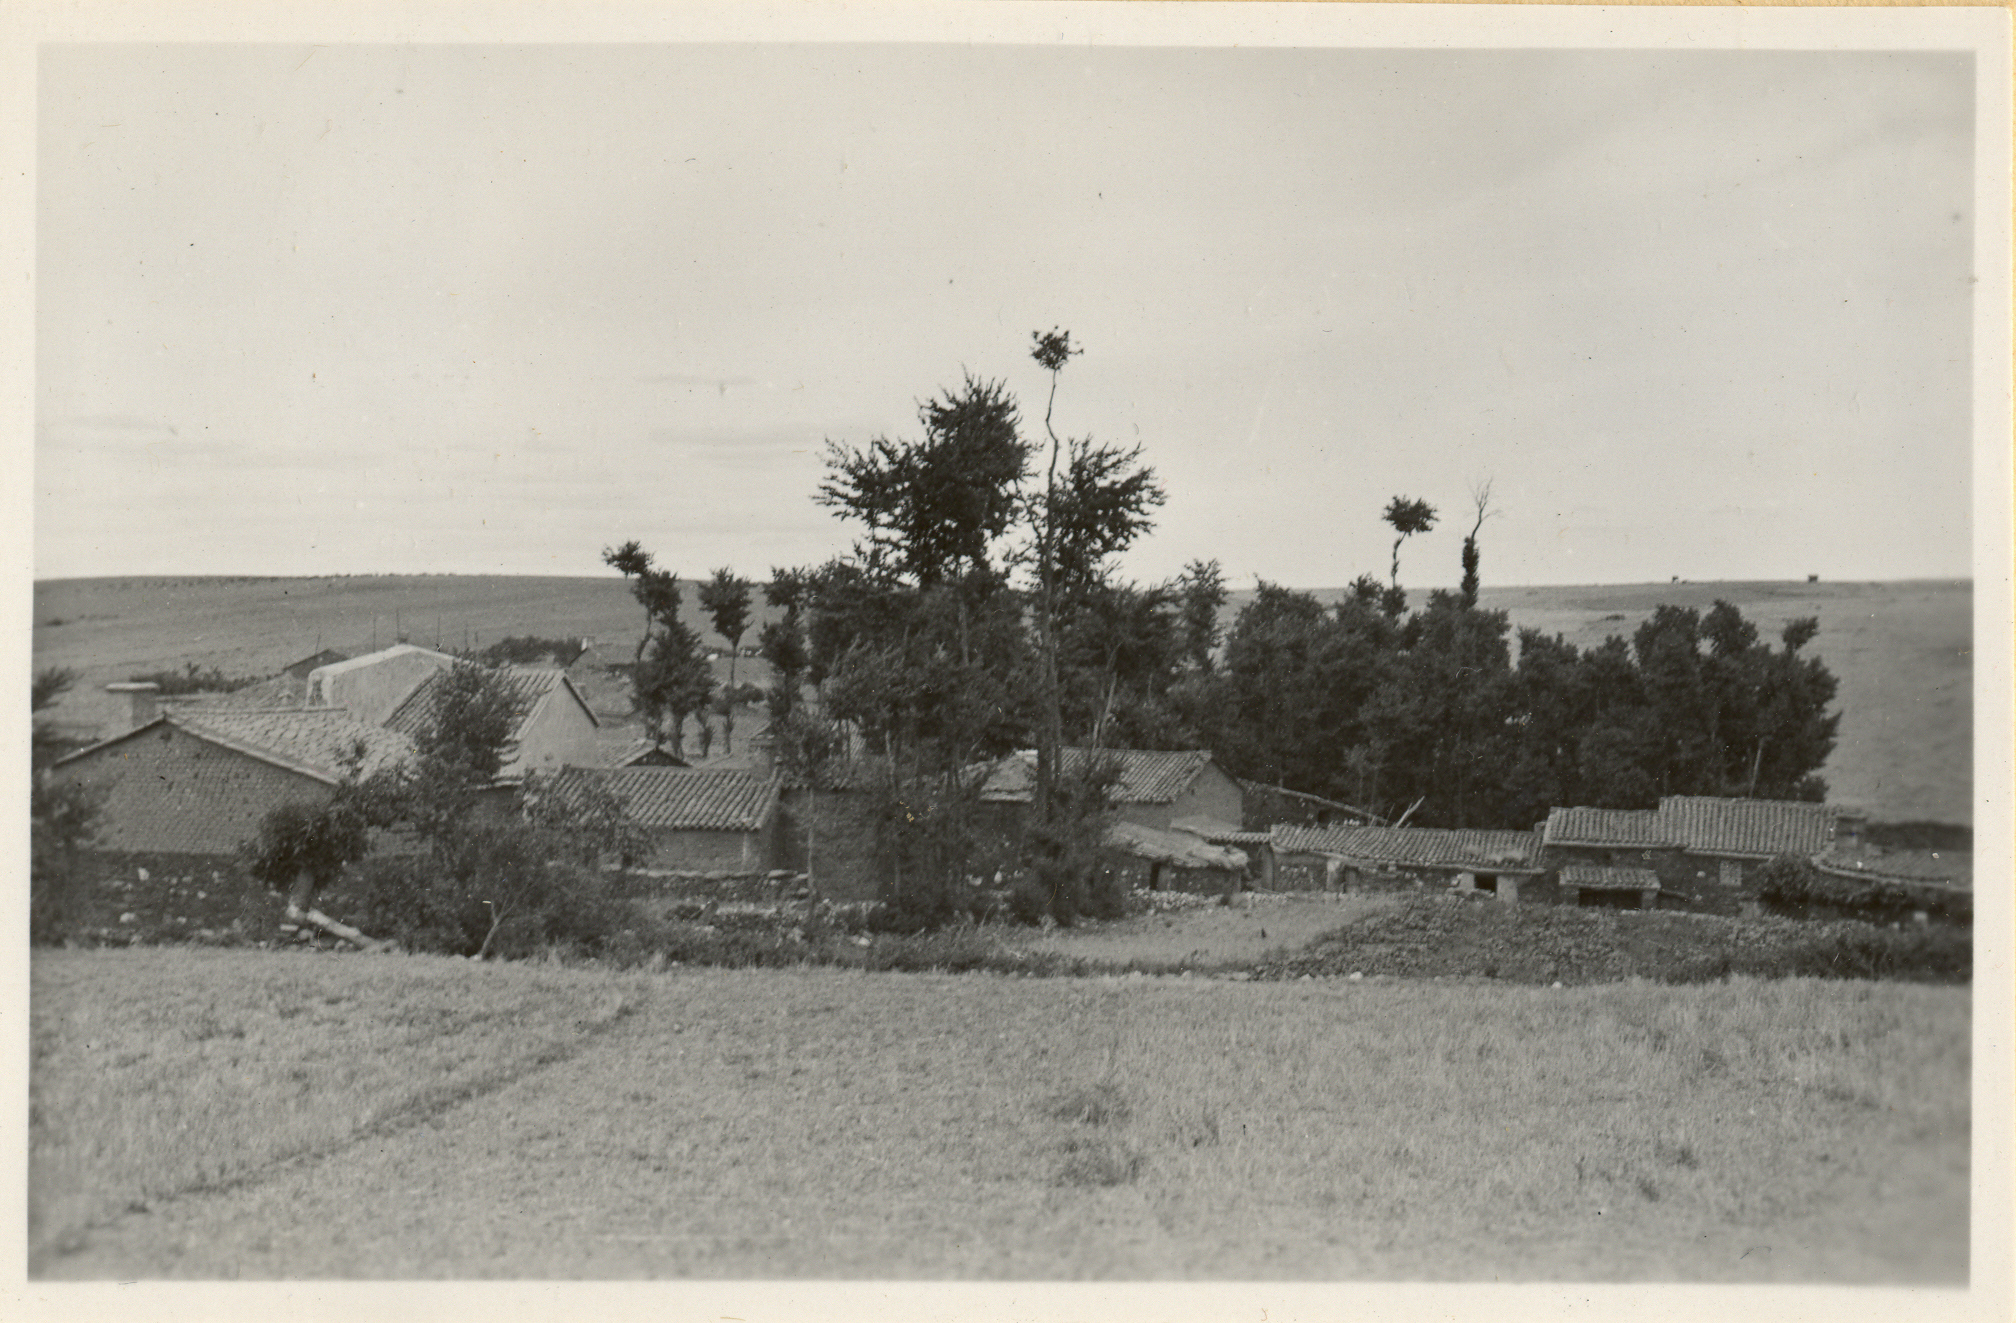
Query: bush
(193, 680)
(1431, 938)
(1793, 886)
(491, 888)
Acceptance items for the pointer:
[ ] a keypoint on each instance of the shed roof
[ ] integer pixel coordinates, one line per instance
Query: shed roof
(1217, 832)
(1465, 849)
(677, 798)
(1946, 868)
(1179, 849)
(1147, 776)
(1607, 827)
(1589, 877)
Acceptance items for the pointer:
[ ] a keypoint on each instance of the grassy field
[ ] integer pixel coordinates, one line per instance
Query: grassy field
(1902, 650)
(186, 1070)
(474, 1121)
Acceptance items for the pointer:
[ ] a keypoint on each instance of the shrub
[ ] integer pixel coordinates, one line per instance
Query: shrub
(489, 888)
(1793, 886)
(194, 680)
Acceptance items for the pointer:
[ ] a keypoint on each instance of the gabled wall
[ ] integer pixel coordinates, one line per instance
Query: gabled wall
(560, 733)
(169, 791)
(1212, 795)
(372, 687)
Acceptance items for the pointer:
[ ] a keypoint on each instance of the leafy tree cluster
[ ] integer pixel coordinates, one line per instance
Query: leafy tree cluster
(194, 679)
(1428, 711)
(979, 612)
(529, 650)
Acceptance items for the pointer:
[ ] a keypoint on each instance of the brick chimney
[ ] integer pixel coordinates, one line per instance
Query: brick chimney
(146, 696)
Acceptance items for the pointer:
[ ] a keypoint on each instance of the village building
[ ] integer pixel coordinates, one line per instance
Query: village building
(830, 828)
(1505, 863)
(1153, 789)
(199, 781)
(551, 724)
(693, 820)
(372, 687)
(1153, 792)
(1705, 851)
(315, 661)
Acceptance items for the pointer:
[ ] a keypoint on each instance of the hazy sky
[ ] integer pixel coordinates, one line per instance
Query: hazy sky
(488, 309)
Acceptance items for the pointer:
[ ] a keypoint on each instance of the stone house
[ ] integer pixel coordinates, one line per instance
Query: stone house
(695, 820)
(199, 781)
(551, 724)
(1704, 851)
(1154, 789)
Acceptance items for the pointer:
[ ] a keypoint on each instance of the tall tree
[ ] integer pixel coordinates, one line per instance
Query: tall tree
(726, 601)
(1480, 499)
(1201, 596)
(669, 679)
(933, 508)
(1078, 521)
(783, 640)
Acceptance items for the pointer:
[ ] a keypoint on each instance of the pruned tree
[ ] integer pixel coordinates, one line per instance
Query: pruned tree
(783, 642)
(1480, 500)
(1408, 517)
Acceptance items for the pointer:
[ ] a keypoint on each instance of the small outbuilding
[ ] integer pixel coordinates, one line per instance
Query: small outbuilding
(695, 820)
(1391, 858)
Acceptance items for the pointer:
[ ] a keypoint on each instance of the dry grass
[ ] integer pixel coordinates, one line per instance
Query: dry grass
(821, 1123)
(182, 1070)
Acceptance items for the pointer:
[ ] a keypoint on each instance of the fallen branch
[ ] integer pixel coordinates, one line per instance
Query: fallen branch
(342, 930)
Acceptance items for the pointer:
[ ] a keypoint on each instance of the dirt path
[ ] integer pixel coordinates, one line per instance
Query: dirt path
(1208, 936)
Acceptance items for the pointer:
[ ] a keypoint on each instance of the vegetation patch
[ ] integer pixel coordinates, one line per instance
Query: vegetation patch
(1444, 938)
(155, 1073)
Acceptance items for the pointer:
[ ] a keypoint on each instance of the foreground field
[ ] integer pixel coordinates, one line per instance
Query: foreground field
(820, 1123)
(1903, 651)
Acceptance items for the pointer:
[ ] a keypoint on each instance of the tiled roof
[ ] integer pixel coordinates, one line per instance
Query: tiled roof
(525, 686)
(1749, 827)
(1146, 776)
(1613, 827)
(1584, 877)
(1219, 833)
(1469, 849)
(678, 798)
(1752, 828)
(317, 742)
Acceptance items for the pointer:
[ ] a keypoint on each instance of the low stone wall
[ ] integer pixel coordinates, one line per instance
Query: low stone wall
(672, 884)
(122, 897)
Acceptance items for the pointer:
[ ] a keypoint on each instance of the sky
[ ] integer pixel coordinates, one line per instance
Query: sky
(489, 309)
